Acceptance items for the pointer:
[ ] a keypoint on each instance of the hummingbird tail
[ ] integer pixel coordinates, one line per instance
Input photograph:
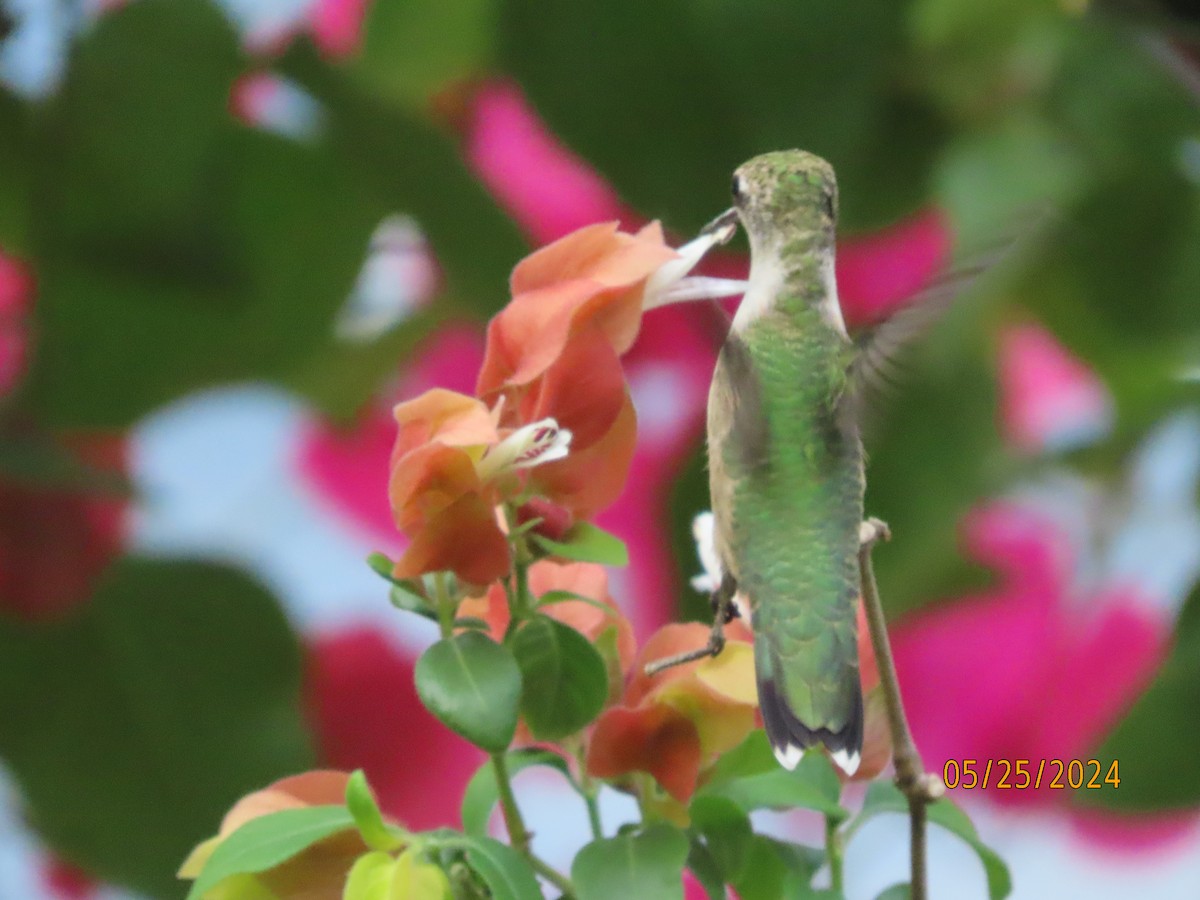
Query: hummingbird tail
(790, 737)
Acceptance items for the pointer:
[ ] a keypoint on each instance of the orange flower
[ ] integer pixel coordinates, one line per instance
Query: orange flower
(318, 873)
(674, 724)
(877, 734)
(451, 466)
(554, 351)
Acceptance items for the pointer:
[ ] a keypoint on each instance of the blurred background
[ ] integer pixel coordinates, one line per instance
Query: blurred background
(233, 234)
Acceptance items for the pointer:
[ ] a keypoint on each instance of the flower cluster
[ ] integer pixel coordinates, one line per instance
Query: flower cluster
(551, 431)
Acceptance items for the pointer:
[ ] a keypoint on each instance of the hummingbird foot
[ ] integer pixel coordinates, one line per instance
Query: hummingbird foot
(871, 532)
(724, 612)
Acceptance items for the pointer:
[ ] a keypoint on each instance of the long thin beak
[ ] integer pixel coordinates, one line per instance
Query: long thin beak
(723, 226)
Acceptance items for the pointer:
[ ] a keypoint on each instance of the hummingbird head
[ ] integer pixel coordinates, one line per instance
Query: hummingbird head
(787, 196)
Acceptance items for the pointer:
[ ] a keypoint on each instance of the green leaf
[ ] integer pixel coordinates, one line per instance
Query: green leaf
(776, 869)
(269, 840)
(585, 542)
(481, 795)
(411, 48)
(753, 756)
(884, 796)
(646, 864)
(822, 75)
(370, 877)
(406, 594)
(361, 803)
(726, 830)
(901, 891)
(1151, 743)
(551, 597)
(473, 686)
(503, 869)
(133, 725)
(813, 785)
(564, 679)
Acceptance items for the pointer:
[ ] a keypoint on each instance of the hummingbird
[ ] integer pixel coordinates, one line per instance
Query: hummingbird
(786, 465)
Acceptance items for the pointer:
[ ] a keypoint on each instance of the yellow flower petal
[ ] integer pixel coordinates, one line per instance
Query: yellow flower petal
(731, 673)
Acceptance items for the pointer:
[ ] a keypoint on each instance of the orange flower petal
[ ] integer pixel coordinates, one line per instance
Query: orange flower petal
(464, 539)
(877, 737)
(599, 253)
(589, 480)
(492, 607)
(446, 416)
(426, 481)
(654, 739)
(588, 580)
(868, 666)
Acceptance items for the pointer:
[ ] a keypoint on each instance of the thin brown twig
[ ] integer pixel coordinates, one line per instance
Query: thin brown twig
(919, 787)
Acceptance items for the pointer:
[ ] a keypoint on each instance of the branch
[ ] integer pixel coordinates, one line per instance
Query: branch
(919, 787)
(518, 834)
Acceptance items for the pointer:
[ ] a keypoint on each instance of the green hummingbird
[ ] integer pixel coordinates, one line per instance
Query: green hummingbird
(786, 468)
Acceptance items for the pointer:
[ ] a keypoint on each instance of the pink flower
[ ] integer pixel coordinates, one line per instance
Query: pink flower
(546, 189)
(54, 543)
(336, 25)
(1024, 670)
(1049, 400)
(878, 272)
(16, 300)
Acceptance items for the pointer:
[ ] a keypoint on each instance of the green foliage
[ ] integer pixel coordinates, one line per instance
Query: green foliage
(1156, 766)
(473, 685)
(134, 725)
(367, 818)
(883, 796)
(412, 48)
(482, 793)
(564, 682)
(507, 875)
(585, 542)
(269, 840)
(674, 95)
(644, 864)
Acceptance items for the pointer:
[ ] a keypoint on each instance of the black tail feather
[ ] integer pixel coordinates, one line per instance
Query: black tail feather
(789, 736)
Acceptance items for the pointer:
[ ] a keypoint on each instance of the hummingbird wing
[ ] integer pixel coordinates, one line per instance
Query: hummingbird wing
(880, 348)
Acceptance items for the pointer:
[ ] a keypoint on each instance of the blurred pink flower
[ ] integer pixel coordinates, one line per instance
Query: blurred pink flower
(64, 881)
(545, 188)
(54, 543)
(1049, 400)
(349, 466)
(16, 301)
(336, 25)
(1028, 669)
(879, 271)
(366, 714)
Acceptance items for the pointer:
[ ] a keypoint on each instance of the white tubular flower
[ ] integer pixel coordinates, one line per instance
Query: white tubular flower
(669, 284)
(528, 446)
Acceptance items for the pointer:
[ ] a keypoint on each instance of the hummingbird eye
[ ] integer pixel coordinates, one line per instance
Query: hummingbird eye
(736, 189)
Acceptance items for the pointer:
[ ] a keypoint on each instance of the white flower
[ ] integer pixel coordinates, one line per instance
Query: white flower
(668, 284)
(528, 446)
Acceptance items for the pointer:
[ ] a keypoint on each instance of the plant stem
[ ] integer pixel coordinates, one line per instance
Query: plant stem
(445, 605)
(918, 787)
(518, 835)
(833, 849)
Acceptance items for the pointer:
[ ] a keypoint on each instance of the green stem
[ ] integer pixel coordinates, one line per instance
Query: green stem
(445, 605)
(587, 787)
(518, 834)
(833, 849)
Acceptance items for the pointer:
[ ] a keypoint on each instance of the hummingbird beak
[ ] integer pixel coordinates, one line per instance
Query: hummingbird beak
(723, 227)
